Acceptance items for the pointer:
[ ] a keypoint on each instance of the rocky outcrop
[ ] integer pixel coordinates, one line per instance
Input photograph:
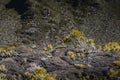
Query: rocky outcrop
(94, 65)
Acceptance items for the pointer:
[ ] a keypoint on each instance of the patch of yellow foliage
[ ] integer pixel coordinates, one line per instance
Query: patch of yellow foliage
(116, 62)
(7, 48)
(3, 68)
(112, 46)
(76, 33)
(80, 65)
(91, 40)
(39, 70)
(49, 47)
(71, 54)
(49, 56)
(45, 48)
(40, 73)
(66, 38)
(28, 73)
(2, 75)
(81, 55)
(113, 72)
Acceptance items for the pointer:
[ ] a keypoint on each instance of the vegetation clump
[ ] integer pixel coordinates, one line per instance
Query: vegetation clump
(71, 54)
(76, 33)
(112, 46)
(3, 68)
(40, 73)
(49, 47)
(116, 62)
(80, 65)
(2, 75)
(114, 72)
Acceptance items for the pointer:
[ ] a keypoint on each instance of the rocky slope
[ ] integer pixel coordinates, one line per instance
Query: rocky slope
(40, 40)
(74, 58)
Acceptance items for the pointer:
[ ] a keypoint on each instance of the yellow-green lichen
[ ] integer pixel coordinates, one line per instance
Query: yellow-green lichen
(80, 65)
(112, 46)
(76, 33)
(81, 55)
(116, 62)
(49, 47)
(91, 40)
(72, 55)
(3, 67)
(40, 73)
(113, 72)
(2, 75)
(66, 38)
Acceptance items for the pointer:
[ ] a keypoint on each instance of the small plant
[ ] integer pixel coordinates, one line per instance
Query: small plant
(116, 62)
(49, 56)
(3, 68)
(71, 54)
(113, 72)
(80, 65)
(29, 74)
(91, 40)
(49, 47)
(40, 73)
(112, 46)
(81, 55)
(2, 75)
(7, 48)
(45, 48)
(39, 70)
(66, 38)
(76, 33)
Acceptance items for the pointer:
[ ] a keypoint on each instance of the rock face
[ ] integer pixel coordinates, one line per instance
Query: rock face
(94, 65)
(98, 19)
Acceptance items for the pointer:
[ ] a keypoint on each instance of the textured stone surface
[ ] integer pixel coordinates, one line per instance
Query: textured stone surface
(96, 66)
